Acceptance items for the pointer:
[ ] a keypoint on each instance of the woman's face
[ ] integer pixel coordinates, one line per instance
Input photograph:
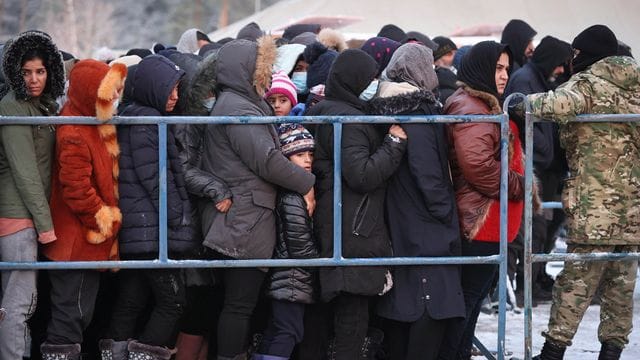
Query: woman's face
(35, 76)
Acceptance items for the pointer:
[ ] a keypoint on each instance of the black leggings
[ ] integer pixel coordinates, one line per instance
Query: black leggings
(242, 288)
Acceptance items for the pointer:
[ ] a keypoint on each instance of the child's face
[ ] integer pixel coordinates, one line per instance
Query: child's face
(280, 103)
(303, 159)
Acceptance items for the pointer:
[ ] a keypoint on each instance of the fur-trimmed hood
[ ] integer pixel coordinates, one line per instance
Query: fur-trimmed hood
(244, 67)
(402, 103)
(203, 85)
(14, 51)
(332, 39)
(92, 85)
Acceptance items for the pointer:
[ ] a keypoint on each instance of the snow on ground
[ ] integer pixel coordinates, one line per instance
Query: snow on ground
(585, 344)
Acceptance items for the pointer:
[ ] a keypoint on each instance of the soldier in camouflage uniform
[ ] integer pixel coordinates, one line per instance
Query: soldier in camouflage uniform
(601, 198)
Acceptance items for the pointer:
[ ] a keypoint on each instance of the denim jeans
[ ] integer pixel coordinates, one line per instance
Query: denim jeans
(19, 292)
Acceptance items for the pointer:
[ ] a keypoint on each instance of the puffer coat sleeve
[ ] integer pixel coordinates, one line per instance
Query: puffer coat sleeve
(199, 182)
(363, 167)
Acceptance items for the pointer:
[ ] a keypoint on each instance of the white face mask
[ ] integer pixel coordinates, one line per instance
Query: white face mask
(208, 103)
(370, 91)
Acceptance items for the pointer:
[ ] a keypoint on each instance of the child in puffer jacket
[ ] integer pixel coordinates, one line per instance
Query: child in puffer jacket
(291, 288)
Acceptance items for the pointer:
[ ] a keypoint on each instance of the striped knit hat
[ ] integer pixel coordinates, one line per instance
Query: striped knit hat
(294, 138)
(281, 84)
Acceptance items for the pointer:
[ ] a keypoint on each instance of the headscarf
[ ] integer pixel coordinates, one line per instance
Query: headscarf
(478, 68)
(381, 50)
(413, 63)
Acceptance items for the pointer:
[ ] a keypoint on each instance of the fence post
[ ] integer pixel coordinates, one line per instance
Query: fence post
(162, 163)
(528, 221)
(502, 274)
(337, 191)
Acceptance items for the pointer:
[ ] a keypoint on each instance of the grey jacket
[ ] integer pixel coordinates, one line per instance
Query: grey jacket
(246, 157)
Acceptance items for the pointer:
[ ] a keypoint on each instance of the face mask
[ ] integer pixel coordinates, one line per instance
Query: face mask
(208, 103)
(299, 79)
(370, 91)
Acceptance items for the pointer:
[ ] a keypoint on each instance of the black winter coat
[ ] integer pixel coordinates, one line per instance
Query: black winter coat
(422, 217)
(530, 80)
(369, 158)
(139, 174)
(295, 241)
(446, 83)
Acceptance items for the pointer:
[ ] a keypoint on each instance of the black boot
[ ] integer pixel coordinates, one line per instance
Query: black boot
(551, 351)
(609, 351)
(60, 352)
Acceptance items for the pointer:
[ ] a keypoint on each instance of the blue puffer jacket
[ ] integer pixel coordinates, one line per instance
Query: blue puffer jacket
(139, 175)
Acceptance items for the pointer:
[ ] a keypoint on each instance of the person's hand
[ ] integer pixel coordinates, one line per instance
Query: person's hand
(298, 110)
(224, 205)
(310, 198)
(396, 130)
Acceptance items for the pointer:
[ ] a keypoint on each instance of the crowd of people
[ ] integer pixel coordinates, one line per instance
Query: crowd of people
(258, 191)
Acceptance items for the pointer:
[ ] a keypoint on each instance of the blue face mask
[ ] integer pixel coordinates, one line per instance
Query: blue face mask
(208, 103)
(299, 79)
(370, 91)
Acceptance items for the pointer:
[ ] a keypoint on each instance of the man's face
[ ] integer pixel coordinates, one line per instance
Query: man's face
(446, 60)
(502, 73)
(528, 52)
(172, 100)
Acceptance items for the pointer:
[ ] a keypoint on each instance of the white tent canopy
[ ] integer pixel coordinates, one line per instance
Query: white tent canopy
(560, 18)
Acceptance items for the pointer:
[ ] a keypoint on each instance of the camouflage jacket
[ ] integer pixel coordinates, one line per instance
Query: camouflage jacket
(601, 198)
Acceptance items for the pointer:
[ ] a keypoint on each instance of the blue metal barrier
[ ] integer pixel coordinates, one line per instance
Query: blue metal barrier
(337, 122)
(530, 258)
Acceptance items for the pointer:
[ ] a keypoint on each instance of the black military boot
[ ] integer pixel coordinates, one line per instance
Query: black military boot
(551, 351)
(609, 351)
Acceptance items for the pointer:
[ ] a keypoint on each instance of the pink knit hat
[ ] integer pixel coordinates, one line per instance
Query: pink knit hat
(281, 84)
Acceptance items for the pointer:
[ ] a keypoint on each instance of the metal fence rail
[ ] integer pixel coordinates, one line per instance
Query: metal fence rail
(337, 122)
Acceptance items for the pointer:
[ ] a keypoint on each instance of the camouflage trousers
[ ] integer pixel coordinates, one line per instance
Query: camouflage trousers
(576, 285)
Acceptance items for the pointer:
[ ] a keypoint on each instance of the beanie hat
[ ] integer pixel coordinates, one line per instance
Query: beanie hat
(250, 32)
(296, 29)
(415, 36)
(320, 59)
(392, 32)
(294, 138)
(381, 50)
(306, 38)
(445, 45)
(281, 84)
(595, 43)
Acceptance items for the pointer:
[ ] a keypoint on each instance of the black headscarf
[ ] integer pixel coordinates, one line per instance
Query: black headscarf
(350, 74)
(595, 43)
(517, 34)
(551, 53)
(478, 69)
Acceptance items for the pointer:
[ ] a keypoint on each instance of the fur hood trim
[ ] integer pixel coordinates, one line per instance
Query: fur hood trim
(113, 81)
(264, 64)
(203, 85)
(14, 51)
(332, 39)
(490, 100)
(401, 103)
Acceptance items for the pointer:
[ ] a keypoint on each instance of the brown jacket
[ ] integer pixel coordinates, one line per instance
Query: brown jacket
(474, 156)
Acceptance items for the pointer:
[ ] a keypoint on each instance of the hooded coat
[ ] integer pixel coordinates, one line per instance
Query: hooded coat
(84, 195)
(26, 151)
(247, 156)
(369, 158)
(188, 42)
(420, 202)
(532, 78)
(152, 84)
(474, 150)
(601, 197)
(517, 34)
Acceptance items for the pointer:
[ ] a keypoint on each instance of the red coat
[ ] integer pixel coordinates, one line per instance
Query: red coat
(475, 168)
(84, 186)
